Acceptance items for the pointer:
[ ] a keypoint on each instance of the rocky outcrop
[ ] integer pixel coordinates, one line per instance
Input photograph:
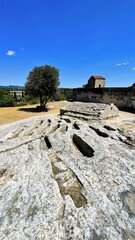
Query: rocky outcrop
(89, 111)
(66, 180)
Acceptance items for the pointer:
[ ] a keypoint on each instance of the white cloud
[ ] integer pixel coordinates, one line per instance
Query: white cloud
(10, 53)
(133, 68)
(125, 63)
(118, 64)
(122, 64)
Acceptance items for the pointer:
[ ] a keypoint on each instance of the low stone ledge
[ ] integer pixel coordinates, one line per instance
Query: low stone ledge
(91, 110)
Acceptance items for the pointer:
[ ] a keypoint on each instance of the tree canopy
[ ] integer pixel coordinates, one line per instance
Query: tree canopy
(43, 82)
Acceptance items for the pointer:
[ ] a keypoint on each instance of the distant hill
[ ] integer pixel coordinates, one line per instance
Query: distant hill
(11, 86)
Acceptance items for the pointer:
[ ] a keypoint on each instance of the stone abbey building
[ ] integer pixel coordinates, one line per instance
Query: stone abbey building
(95, 91)
(96, 82)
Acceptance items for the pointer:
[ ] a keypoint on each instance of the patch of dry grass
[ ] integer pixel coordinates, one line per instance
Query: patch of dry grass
(11, 114)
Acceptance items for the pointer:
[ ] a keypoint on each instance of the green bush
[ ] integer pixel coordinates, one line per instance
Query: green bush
(6, 100)
(58, 97)
(67, 92)
(34, 101)
(19, 104)
(31, 100)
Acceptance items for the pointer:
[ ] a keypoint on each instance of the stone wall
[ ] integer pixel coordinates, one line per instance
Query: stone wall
(123, 98)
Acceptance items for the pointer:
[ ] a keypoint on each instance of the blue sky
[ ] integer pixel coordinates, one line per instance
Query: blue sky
(79, 37)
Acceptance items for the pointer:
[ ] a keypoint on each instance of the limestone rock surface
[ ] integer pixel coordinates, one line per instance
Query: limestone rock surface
(89, 111)
(63, 180)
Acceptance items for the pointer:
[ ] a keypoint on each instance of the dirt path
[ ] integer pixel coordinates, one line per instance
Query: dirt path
(125, 120)
(11, 114)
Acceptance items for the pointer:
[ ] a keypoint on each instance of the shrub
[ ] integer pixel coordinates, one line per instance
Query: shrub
(58, 97)
(5, 99)
(19, 104)
(31, 100)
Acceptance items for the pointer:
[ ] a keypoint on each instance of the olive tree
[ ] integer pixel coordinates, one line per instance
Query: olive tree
(43, 82)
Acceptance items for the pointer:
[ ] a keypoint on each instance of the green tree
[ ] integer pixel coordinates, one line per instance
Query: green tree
(43, 82)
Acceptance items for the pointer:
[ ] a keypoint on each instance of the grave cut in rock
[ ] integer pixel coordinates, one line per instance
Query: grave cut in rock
(82, 146)
(49, 145)
(99, 132)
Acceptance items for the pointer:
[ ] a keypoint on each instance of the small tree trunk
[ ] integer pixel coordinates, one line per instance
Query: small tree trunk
(40, 100)
(42, 103)
(45, 102)
(42, 106)
(46, 99)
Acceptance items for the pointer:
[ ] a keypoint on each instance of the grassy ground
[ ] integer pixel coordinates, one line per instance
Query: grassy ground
(11, 114)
